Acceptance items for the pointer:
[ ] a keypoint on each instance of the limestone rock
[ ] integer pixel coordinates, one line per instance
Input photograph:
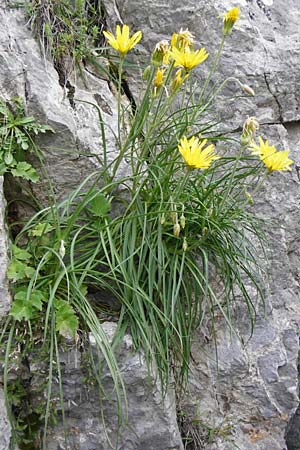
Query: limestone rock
(5, 430)
(5, 301)
(76, 148)
(151, 421)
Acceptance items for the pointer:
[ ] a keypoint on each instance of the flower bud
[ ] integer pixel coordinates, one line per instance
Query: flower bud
(146, 73)
(248, 89)
(177, 81)
(249, 198)
(162, 218)
(176, 229)
(161, 53)
(159, 78)
(62, 250)
(182, 221)
(184, 245)
(246, 140)
(229, 20)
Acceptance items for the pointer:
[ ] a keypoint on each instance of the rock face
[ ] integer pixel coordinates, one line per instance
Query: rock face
(75, 150)
(5, 300)
(151, 423)
(247, 394)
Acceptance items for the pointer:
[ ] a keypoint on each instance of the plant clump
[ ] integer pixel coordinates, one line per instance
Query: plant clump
(186, 221)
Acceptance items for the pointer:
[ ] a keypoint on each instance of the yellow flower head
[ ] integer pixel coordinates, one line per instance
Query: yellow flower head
(229, 19)
(195, 154)
(273, 159)
(182, 39)
(263, 149)
(177, 81)
(188, 59)
(122, 42)
(159, 77)
(161, 53)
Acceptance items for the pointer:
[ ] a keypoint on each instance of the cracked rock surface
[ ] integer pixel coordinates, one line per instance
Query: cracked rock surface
(5, 300)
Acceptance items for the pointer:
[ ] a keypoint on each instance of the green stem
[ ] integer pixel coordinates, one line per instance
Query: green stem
(119, 98)
(182, 184)
(213, 68)
(260, 183)
(136, 128)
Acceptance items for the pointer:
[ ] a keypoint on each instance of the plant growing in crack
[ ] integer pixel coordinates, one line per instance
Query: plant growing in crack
(17, 132)
(185, 221)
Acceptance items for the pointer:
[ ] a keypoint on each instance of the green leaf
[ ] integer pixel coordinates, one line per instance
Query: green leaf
(40, 229)
(26, 171)
(66, 320)
(17, 270)
(99, 206)
(3, 168)
(21, 310)
(20, 254)
(36, 297)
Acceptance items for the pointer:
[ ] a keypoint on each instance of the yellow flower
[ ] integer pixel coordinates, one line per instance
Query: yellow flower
(177, 80)
(159, 77)
(122, 42)
(229, 19)
(195, 154)
(182, 39)
(273, 159)
(188, 59)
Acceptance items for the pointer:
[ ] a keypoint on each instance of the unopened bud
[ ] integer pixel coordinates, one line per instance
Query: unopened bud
(176, 229)
(162, 218)
(146, 73)
(182, 221)
(246, 139)
(249, 198)
(159, 78)
(184, 245)
(177, 81)
(248, 89)
(62, 250)
(161, 54)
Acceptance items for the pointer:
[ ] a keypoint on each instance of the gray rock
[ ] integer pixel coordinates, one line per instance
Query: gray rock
(5, 430)
(151, 420)
(5, 301)
(5, 298)
(76, 148)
